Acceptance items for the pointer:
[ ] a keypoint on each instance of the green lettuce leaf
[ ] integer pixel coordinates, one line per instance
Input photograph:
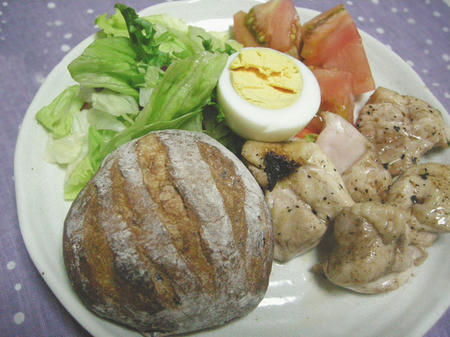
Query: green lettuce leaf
(195, 123)
(77, 177)
(153, 76)
(97, 139)
(114, 25)
(101, 120)
(214, 126)
(167, 22)
(142, 36)
(57, 117)
(80, 172)
(109, 63)
(187, 85)
(114, 104)
(218, 43)
(173, 36)
(67, 149)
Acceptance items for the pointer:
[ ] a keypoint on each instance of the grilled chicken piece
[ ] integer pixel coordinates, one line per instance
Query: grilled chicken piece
(304, 196)
(402, 128)
(354, 157)
(367, 179)
(297, 229)
(371, 251)
(424, 190)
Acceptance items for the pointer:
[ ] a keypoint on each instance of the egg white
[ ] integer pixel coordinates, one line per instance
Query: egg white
(268, 125)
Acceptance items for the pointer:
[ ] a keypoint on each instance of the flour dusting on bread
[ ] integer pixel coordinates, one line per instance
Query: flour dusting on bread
(171, 235)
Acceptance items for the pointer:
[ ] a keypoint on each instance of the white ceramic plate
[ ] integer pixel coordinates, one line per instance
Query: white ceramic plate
(296, 303)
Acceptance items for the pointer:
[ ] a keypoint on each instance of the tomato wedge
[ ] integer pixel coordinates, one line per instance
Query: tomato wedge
(305, 132)
(241, 33)
(352, 59)
(331, 40)
(325, 34)
(336, 91)
(274, 24)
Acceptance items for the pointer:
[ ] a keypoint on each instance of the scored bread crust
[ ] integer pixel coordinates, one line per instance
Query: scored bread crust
(172, 235)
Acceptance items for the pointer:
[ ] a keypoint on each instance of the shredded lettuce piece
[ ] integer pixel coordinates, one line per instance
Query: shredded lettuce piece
(109, 63)
(114, 104)
(142, 36)
(169, 23)
(77, 177)
(152, 77)
(114, 25)
(101, 120)
(57, 117)
(65, 150)
(213, 42)
(214, 125)
(311, 137)
(172, 35)
(97, 140)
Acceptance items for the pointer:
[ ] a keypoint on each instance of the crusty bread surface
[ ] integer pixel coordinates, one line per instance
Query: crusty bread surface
(171, 235)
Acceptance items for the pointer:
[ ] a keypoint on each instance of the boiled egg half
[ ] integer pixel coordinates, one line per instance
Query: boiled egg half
(267, 95)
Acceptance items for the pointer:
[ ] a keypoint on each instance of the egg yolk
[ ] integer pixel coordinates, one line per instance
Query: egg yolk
(266, 78)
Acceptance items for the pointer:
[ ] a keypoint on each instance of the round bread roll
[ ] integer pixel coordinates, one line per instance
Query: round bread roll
(171, 235)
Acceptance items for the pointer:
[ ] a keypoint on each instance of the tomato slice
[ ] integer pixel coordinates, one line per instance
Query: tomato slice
(305, 132)
(326, 33)
(331, 40)
(336, 91)
(314, 127)
(241, 33)
(276, 24)
(352, 58)
(316, 124)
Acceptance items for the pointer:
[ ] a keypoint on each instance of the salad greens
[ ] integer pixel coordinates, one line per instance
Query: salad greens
(140, 74)
(57, 117)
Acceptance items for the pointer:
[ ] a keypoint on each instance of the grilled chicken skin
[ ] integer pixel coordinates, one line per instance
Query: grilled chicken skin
(424, 190)
(371, 252)
(367, 179)
(296, 228)
(306, 196)
(355, 158)
(402, 128)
